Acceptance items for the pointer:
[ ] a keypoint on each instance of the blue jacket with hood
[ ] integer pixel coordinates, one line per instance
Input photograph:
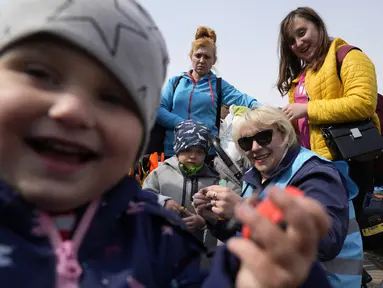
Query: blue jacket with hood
(196, 101)
(132, 242)
(318, 179)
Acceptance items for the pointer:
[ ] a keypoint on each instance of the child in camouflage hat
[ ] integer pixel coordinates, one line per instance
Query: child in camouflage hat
(185, 174)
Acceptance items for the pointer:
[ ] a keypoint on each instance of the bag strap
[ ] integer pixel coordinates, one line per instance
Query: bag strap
(341, 54)
(174, 90)
(219, 103)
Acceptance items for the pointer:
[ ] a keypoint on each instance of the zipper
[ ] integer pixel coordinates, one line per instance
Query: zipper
(194, 187)
(191, 93)
(184, 192)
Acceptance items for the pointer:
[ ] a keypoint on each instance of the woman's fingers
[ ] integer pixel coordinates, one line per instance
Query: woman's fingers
(287, 256)
(211, 194)
(307, 220)
(267, 235)
(257, 267)
(200, 196)
(198, 202)
(303, 232)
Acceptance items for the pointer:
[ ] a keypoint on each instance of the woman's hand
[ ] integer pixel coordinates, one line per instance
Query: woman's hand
(222, 200)
(295, 111)
(279, 258)
(202, 206)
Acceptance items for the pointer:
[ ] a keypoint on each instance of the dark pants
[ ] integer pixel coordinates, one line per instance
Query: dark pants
(362, 173)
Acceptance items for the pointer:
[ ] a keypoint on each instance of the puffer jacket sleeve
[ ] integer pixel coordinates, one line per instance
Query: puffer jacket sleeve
(360, 93)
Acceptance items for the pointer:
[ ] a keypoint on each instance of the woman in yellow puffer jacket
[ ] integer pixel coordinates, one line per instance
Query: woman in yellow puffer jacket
(317, 95)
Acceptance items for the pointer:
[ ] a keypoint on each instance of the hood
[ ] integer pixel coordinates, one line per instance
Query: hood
(188, 75)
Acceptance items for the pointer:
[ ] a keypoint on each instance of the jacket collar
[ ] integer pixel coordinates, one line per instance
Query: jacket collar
(21, 216)
(210, 75)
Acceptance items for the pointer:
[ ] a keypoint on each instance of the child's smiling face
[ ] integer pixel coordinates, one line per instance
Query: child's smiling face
(67, 130)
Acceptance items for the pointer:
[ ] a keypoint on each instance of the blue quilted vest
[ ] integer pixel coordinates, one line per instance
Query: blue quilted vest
(346, 269)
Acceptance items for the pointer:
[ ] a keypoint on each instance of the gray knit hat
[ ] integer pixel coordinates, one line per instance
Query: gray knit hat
(119, 33)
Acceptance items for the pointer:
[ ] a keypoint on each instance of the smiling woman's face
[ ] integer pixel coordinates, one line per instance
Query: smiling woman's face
(265, 158)
(304, 39)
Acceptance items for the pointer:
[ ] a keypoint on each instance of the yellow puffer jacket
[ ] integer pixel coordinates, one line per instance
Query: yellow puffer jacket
(333, 101)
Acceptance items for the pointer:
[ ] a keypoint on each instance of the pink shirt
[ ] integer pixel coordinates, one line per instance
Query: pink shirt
(300, 96)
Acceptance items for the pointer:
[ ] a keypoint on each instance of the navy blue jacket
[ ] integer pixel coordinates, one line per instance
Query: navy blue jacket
(132, 242)
(320, 180)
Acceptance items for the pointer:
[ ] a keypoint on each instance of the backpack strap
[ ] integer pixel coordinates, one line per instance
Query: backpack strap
(341, 54)
(219, 103)
(174, 89)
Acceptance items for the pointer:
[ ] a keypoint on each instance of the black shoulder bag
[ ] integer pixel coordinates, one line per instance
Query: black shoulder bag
(359, 141)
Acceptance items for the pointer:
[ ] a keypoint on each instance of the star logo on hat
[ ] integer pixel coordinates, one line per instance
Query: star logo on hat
(108, 28)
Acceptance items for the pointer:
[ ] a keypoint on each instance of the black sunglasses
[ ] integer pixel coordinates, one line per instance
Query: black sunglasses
(263, 138)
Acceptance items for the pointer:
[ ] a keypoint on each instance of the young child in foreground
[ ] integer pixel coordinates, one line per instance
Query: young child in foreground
(79, 89)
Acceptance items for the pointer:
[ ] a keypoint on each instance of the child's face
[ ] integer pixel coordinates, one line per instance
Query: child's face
(192, 157)
(67, 133)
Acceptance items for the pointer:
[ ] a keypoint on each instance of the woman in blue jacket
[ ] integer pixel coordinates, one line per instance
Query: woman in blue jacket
(193, 95)
(269, 141)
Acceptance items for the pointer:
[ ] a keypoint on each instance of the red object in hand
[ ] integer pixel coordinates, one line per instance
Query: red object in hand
(270, 211)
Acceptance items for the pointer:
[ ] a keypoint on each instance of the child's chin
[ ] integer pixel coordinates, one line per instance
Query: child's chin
(189, 166)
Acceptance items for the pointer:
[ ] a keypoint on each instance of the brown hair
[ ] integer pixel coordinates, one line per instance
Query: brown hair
(290, 66)
(204, 37)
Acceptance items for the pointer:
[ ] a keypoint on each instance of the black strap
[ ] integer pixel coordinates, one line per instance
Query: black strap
(219, 103)
(174, 90)
(244, 190)
(184, 191)
(226, 159)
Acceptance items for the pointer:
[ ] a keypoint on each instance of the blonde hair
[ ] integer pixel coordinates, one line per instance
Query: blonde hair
(266, 117)
(204, 37)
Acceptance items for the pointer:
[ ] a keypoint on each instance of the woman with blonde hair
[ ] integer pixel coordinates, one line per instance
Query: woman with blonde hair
(269, 141)
(194, 94)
